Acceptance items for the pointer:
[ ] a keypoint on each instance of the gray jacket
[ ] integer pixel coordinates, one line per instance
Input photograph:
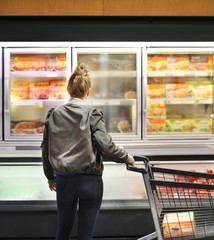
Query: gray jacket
(78, 141)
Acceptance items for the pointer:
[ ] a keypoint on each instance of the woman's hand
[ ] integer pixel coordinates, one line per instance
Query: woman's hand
(52, 186)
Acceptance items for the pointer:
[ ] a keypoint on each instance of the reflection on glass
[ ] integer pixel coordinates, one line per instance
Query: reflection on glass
(180, 94)
(113, 89)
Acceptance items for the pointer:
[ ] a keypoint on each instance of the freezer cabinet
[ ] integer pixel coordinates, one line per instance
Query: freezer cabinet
(116, 87)
(178, 102)
(1, 97)
(35, 81)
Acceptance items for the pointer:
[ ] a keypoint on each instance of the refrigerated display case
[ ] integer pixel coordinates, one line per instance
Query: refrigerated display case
(116, 87)
(179, 93)
(35, 81)
(1, 98)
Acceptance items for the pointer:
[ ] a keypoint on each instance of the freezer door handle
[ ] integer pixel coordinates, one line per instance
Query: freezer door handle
(7, 92)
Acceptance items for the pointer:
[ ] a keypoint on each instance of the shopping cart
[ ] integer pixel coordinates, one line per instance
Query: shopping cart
(181, 202)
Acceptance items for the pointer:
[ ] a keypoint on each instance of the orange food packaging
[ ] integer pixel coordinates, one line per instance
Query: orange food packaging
(178, 224)
(157, 63)
(38, 92)
(19, 92)
(56, 63)
(156, 91)
(38, 84)
(27, 63)
(59, 83)
(56, 92)
(156, 126)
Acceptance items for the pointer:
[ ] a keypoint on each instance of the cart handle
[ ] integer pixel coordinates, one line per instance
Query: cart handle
(136, 169)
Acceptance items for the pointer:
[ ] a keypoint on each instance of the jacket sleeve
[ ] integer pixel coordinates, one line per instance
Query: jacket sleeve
(48, 170)
(103, 141)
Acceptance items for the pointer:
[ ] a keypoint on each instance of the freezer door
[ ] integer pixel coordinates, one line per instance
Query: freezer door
(178, 91)
(35, 81)
(1, 97)
(115, 75)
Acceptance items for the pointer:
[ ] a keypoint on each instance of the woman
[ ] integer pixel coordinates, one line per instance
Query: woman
(77, 144)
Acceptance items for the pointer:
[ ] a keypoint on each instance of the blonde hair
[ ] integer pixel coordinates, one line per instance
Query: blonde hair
(79, 82)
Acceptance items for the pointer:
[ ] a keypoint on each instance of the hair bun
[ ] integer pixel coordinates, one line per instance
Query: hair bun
(81, 69)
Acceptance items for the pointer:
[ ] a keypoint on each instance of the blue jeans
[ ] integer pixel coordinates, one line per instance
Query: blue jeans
(87, 190)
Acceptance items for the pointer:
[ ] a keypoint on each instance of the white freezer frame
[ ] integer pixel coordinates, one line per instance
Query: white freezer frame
(7, 76)
(119, 50)
(1, 97)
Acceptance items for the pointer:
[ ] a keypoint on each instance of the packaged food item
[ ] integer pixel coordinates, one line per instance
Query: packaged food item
(156, 91)
(178, 63)
(38, 92)
(58, 83)
(202, 125)
(210, 62)
(199, 62)
(156, 111)
(19, 92)
(124, 126)
(27, 127)
(130, 95)
(56, 92)
(27, 63)
(179, 224)
(201, 91)
(177, 91)
(177, 125)
(56, 63)
(21, 84)
(156, 126)
(157, 63)
(38, 84)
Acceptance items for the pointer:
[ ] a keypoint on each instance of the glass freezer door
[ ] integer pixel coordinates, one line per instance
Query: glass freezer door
(35, 81)
(179, 93)
(1, 115)
(115, 75)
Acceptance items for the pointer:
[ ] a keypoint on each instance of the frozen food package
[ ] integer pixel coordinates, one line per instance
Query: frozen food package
(130, 95)
(38, 92)
(56, 63)
(156, 111)
(124, 126)
(178, 91)
(56, 92)
(58, 83)
(19, 92)
(156, 91)
(200, 62)
(156, 126)
(179, 224)
(27, 63)
(39, 84)
(27, 127)
(157, 63)
(201, 91)
(175, 63)
(21, 84)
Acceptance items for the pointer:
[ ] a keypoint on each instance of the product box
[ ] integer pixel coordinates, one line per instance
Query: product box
(21, 84)
(156, 126)
(177, 91)
(56, 92)
(177, 125)
(27, 63)
(58, 83)
(156, 111)
(178, 224)
(156, 91)
(19, 92)
(56, 63)
(177, 63)
(38, 92)
(39, 84)
(200, 62)
(201, 91)
(157, 63)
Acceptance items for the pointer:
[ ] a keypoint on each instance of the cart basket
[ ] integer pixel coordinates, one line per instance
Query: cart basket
(181, 202)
